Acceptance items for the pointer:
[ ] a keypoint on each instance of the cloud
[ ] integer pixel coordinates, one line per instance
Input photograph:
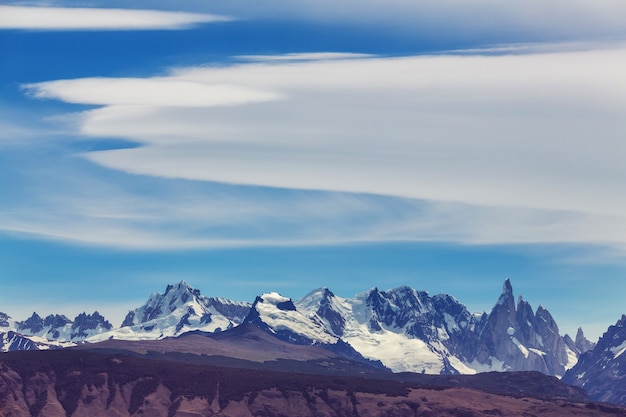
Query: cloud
(313, 56)
(514, 20)
(156, 92)
(65, 18)
(492, 149)
(69, 200)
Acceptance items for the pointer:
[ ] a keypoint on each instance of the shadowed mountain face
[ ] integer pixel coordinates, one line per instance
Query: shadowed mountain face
(70, 382)
(602, 371)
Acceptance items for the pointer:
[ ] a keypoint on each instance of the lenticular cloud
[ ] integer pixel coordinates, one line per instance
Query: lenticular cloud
(536, 131)
(64, 18)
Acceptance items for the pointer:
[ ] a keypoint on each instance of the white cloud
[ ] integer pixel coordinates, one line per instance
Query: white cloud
(529, 147)
(65, 18)
(155, 92)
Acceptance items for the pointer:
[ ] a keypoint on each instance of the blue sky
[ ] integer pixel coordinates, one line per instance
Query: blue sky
(280, 145)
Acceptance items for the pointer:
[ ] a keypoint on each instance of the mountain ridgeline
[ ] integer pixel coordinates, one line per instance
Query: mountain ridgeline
(404, 329)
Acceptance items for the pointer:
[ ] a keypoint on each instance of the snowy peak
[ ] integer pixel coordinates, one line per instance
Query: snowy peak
(160, 305)
(279, 315)
(57, 327)
(179, 309)
(322, 306)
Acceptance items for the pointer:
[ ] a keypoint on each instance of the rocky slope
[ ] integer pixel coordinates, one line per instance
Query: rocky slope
(82, 383)
(602, 371)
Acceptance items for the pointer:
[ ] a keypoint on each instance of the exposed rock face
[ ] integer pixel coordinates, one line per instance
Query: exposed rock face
(521, 340)
(83, 323)
(77, 384)
(602, 370)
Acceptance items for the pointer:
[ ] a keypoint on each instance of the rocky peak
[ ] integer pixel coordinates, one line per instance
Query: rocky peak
(56, 320)
(4, 320)
(181, 289)
(506, 298)
(582, 343)
(84, 324)
(34, 324)
(160, 305)
(520, 339)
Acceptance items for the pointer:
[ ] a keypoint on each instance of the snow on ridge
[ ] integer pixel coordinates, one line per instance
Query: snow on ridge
(274, 298)
(272, 313)
(617, 351)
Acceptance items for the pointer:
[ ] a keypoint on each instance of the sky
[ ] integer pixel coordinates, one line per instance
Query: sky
(284, 145)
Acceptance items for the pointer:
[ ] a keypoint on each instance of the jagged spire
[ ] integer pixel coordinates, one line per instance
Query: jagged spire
(507, 288)
(507, 294)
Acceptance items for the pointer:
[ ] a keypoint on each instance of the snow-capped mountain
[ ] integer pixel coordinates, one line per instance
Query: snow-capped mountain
(11, 340)
(180, 309)
(602, 370)
(54, 330)
(405, 329)
(279, 316)
(60, 328)
(409, 330)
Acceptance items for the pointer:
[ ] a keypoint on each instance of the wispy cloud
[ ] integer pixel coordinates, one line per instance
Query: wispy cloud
(66, 18)
(487, 149)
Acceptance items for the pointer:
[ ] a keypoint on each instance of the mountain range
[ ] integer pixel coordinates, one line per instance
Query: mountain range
(401, 329)
(405, 329)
